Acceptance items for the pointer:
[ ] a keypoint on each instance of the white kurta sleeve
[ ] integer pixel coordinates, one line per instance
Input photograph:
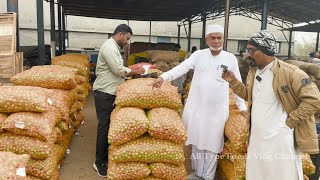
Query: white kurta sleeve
(181, 69)
(241, 104)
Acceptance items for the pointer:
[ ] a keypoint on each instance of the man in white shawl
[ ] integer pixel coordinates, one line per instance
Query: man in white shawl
(207, 108)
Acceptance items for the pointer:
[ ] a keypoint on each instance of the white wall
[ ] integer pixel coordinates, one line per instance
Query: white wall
(86, 39)
(29, 37)
(3, 6)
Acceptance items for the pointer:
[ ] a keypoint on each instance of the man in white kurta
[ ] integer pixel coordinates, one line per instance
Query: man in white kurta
(268, 123)
(268, 129)
(207, 107)
(271, 152)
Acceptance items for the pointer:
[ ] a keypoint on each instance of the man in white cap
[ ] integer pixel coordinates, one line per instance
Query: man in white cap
(207, 107)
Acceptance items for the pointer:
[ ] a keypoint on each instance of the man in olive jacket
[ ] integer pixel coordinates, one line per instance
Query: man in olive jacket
(282, 101)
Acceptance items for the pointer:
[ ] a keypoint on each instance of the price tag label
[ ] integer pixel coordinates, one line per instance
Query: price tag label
(50, 101)
(21, 172)
(19, 124)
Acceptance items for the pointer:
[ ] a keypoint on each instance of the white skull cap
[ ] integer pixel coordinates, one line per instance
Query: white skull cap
(215, 28)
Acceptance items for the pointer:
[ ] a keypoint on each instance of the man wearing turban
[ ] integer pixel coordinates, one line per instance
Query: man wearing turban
(282, 101)
(207, 108)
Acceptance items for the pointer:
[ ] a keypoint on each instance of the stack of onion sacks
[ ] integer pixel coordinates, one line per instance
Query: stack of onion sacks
(146, 133)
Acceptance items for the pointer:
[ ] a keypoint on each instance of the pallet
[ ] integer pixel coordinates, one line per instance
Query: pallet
(11, 65)
(8, 25)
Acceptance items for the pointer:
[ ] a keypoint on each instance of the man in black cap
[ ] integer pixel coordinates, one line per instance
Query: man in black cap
(282, 101)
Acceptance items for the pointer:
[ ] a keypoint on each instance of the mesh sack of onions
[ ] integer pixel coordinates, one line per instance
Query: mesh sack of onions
(63, 126)
(28, 177)
(162, 66)
(66, 138)
(173, 64)
(166, 124)
(51, 77)
(2, 118)
(307, 165)
(78, 119)
(37, 125)
(148, 150)
(23, 98)
(87, 86)
(168, 171)
(126, 124)
(165, 56)
(127, 171)
(236, 130)
(77, 58)
(139, 93)
(25, 145)
(81, 79)
(71, 61)
(233, 163)
(151, 178)
(48, 168)
(10, 163)
(76, 107)
(80, 89)
(63, 100)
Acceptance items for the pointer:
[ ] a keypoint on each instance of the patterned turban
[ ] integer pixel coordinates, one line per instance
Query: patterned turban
(265, 41)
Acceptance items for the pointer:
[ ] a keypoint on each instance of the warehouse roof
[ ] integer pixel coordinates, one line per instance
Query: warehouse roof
(154, 10)
(293, 11)
(315, 27)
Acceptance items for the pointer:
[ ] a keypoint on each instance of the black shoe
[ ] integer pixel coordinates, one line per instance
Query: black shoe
(101, 169)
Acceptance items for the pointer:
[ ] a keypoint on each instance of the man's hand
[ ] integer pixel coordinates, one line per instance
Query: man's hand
(157, 83)
(244, 113)
(228, 75)
(137, 70)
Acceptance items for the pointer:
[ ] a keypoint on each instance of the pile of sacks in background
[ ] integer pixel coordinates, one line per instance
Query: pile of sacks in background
(165, 60)
(232, 165)
(313, 70)
(146, 133)
(68, 78)
(39, 115)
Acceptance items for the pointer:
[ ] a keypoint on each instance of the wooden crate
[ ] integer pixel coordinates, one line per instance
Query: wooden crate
(18, 66)
(8, 25)
(11, 65)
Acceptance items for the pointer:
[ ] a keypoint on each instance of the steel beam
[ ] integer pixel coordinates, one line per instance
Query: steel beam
(203, 40)
(290, 42)
(53, 29)
(226, 25)
(59, 28)
(40, 28)
(264, 16)
(13, 6)
(189, 36)
(63, 32)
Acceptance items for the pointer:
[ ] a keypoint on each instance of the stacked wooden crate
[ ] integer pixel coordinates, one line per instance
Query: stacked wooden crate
(11, 62)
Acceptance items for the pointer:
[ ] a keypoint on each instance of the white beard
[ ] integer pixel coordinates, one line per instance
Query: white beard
(215, 49)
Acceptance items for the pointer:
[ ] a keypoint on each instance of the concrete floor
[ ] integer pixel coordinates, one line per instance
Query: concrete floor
(78, 164)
